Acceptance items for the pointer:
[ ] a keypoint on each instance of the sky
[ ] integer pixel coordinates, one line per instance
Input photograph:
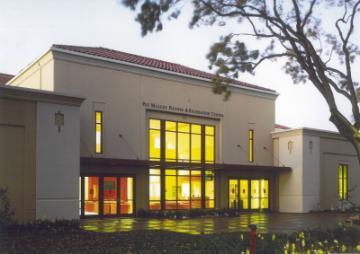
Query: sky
(29, 28)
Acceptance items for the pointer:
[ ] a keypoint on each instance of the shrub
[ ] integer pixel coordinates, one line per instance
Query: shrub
(6, 212)
(184, 214)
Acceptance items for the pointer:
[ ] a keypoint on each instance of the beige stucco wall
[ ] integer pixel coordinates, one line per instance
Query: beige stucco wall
(39, 75)
(290, 183)
(335, 151)
(313, 183)
(57, 162)
(121, 90)
(17, 155)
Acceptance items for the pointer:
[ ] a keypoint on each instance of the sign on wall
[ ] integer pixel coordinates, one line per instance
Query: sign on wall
(182, 110)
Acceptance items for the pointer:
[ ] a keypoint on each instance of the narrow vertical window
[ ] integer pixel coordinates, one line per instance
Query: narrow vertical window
(155, 189)
(209, 144)
(98, 132)
(251, 145)
(343, 181)
(154, 139)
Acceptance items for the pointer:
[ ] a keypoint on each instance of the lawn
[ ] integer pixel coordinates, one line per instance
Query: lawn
(48, 238)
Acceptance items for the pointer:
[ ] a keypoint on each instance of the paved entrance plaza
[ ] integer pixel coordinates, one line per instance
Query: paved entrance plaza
(266, 222)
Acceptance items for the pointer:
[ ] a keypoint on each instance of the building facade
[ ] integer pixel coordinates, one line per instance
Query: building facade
(39, 152)
(154, 136)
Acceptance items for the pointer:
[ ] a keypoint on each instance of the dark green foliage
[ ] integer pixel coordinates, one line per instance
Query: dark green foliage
(193, 213)
(291, 30)
(66, 239)
(39, 226)
(6, 212)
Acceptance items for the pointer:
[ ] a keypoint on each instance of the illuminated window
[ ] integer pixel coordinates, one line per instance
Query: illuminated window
(126, 195)
(343, 181)
(110, 195)
(249, 194)
(209, 144)
(91, 192)
(196, 143)
(182, 142)
(209, 189)
(251, 145)
(170, 191)
(154, 139)
(183, 189)
(99, 132)
(154, 189)
(115, 193)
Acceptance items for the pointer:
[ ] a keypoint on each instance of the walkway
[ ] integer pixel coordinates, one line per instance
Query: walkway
(266, 222)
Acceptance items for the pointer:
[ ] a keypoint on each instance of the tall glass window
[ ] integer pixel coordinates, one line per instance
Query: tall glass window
(343, 181)
(154, 189)
(182, 189)
(209, 144)
(154, 139)
(188, 187)
(98, 132)
(209, 189)
(251, 145)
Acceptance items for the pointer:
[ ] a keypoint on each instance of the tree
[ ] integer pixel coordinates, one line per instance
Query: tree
(292, 30)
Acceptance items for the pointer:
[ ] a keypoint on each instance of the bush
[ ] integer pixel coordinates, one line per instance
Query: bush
(48, 226)
(192, 213)
(6, 212)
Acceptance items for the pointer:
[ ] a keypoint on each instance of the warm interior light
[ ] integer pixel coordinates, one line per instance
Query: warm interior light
(157, 143)
(185, 190)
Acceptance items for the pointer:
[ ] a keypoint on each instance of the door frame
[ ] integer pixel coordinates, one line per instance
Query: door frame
(249, 192)
(101, 196)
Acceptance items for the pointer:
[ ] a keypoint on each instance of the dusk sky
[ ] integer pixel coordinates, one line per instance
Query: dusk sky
(29, 28)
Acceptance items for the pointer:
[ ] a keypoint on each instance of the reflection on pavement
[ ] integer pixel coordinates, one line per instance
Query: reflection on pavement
(266, 222)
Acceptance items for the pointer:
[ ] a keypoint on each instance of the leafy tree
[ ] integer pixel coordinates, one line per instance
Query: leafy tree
(322, 53)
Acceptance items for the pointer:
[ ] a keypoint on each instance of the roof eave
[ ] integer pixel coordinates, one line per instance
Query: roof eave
(236, 86)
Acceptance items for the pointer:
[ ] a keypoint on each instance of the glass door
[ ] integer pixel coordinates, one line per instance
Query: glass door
(126, 195)
(110, 191)
(233, 193)
(255, 194)
(106, 196)
(244, 193)
(260, 194)
(91, 195)
(264, 184)
(249, 194)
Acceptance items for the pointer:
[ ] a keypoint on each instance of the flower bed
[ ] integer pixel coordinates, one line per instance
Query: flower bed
(184, 214)
(67, 237)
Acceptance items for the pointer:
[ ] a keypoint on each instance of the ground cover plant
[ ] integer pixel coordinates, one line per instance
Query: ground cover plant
(68, 237)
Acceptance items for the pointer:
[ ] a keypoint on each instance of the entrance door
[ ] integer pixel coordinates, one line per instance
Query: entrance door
(233, 193)
(241, 198)
(110, 195)
(107, 196)
(126, 195)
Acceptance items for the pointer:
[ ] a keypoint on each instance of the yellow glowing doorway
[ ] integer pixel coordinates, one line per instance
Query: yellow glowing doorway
(247, 194)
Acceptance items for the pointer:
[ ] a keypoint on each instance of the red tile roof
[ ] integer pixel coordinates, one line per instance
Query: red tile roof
(279, 126)
(148, 62)
(5, 78)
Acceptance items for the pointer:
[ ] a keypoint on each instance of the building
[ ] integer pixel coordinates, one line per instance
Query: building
(154, 136)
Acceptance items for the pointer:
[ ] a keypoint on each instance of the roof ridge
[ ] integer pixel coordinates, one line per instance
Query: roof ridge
(150, 62)
(146, 57)
(6, 74)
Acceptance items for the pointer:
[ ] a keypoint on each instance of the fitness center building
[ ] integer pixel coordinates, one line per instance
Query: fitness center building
(113, 133)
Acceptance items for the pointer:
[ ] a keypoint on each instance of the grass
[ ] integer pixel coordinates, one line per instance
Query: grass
(48, 238)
